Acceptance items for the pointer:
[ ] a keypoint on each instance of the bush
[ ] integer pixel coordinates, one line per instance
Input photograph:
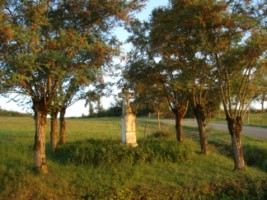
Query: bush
(162, 134)
(103, 152)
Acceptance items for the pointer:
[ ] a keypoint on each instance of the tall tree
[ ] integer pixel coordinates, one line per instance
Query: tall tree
(176, 35)
(46, 42)
(236, 41)
(176, 38)
(148, 43)
(184, 32)
(68, 93)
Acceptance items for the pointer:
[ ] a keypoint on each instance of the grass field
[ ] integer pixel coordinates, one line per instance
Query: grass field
(95, 165)
(252, 119)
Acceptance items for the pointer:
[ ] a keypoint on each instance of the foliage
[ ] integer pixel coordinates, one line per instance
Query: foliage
(261, 83)
(103, 152)
(115, 110)
(236, 44)
(52, 50)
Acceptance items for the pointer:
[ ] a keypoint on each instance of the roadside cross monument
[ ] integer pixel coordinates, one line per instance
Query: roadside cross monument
(127, 120)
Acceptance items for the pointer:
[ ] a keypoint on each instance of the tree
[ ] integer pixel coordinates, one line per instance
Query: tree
(143, 81)
(44, 43)
(69, 92)
(94, 96)
(200, 41)
(183, 33)
(178, 37)
(236, 41)
(261, 83)
(161, 75)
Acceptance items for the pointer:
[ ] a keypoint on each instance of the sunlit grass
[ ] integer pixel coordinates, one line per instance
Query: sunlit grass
(252, 119)
(200, 177)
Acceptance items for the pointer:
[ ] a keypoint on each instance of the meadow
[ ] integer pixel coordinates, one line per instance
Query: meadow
(251, 119)
(95, 165)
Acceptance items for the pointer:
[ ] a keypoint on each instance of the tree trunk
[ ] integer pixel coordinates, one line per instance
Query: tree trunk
(62, 126)
(262, 102)
(235, 128)
(178, 128)
(39, 142)
(53, 131)
(201, 121)
(158, 112)
(179, 115)
(91, 109)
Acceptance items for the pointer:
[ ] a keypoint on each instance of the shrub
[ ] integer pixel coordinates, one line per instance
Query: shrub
(103, 152)
(162, 134)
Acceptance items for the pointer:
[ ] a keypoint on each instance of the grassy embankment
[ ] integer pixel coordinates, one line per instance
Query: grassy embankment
(94, 165)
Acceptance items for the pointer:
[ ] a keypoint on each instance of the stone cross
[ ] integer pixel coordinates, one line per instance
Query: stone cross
(126, 96)
(128, 128)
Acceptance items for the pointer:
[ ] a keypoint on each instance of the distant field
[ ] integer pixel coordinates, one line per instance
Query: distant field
(253, 119)
(12, 113)
(95, 165)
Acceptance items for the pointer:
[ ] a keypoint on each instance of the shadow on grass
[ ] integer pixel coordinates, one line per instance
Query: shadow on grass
(191, 133)
(222, 147)
(255, 156)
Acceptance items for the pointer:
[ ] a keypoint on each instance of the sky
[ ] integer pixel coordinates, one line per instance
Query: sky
(78, 109)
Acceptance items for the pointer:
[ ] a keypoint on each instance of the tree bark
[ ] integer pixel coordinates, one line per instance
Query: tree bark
(53, 131)
(201, 121)
(179, 115)
(62, 139)
(158, 114)
(178, 128)
(262, 102)
(235, 128)
(39, 142)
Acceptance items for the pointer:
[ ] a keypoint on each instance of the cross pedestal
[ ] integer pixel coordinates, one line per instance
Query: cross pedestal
(128, 121)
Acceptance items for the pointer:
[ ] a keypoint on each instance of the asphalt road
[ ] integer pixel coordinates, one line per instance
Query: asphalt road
(247, 130)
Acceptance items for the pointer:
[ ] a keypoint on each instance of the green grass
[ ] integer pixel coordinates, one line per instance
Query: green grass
(113, 171)
(8, 113)
(251, 119)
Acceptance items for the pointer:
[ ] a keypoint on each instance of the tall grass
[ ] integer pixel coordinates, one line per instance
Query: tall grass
(95, 165)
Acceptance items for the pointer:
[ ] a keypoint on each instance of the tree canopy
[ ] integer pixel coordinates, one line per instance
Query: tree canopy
(197, 47)
(50, 49)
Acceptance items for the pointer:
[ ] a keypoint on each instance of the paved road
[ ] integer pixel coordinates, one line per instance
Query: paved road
(247, 130)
